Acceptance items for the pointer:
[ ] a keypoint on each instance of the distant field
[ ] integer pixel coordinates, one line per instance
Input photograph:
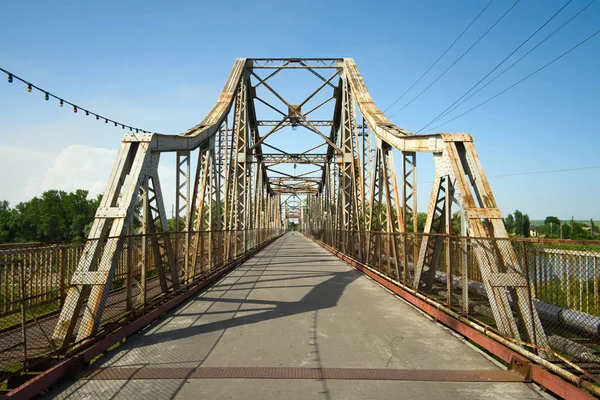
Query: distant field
(538, 222)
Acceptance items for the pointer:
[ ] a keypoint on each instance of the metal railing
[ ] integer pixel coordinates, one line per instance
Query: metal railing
(36, 277)
(47, 271)
(561, 278)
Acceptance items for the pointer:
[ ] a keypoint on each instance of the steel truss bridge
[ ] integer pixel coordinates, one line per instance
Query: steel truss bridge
(236, 189)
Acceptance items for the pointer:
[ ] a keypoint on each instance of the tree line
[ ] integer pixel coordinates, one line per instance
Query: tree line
(552, 228)
(60, 216)
(557, 229)
(54, 216)
(518, 225)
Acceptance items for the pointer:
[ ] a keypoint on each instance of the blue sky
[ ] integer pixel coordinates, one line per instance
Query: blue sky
(161, 67)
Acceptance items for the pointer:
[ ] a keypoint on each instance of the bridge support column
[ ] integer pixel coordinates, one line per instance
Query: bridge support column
(182, 207)
(134, 166)
(460, 178)
(410, 243)
(384, 214)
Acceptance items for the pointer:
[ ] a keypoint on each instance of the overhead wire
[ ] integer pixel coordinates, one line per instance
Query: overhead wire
(520, 81)
(62, 102)
(440, 115)
(545, 172)
(514, 63)
(551, 171)
(440, 57)
(458, 59)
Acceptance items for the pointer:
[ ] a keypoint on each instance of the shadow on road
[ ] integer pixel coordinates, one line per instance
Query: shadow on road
(322, 295)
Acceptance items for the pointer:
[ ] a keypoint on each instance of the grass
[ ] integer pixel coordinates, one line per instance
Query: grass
(538, 222)
(35, 311)
(10, 370)
(592, 248)
(482, 318)
(44, 309)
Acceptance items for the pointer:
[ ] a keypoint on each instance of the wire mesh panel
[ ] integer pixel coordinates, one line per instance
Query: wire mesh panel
(46, 269)
(34, 280)
(557, 279)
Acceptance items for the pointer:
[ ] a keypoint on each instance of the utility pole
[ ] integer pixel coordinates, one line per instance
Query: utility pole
(560, 228)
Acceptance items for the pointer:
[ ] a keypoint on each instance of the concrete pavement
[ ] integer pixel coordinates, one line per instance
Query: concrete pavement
(294, 305)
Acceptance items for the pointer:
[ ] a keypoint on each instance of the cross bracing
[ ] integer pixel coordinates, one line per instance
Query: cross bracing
(320, 154)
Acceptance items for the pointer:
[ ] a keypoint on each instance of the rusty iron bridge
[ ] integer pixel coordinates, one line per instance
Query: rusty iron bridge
(229, 303)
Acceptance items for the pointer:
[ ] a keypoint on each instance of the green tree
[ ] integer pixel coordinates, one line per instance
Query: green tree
(509, 223)
(456, 222)
(526, 225)
(54, 216)
(551, 230)
(6, 231)
(421, 220)
(78, 212)
(552, 220)
(566, 231)
(518, 223)
(578, 233)
(26, 221)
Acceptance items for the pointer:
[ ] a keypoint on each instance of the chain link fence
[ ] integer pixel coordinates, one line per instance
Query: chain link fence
(35, 280)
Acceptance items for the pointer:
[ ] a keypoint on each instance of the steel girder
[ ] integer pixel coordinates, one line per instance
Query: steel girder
(134, 176)
(293, 158)
(457, 178)
(223, 197)
(357, 194)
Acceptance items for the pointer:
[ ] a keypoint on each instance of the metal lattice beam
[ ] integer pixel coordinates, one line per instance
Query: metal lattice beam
(353, 196)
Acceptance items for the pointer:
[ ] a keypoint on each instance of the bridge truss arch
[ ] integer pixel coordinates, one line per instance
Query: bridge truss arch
(353, 197)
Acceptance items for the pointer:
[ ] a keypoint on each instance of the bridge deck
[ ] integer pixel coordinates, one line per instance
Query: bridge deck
(320, 329)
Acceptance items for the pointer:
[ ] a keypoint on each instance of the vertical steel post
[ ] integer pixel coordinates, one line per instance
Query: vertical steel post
(409, 211)
(448, 231)
(129, 270)
(62, 266)
(182, 204)
(145, 253)
(23, 312)
(464, 266)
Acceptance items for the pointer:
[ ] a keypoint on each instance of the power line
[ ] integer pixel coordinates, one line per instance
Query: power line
(536, 172)
(516, 62)
(458, 59)
(440, 115)
(440, 57)
(545, 172)
(520, 81)
(62, 102)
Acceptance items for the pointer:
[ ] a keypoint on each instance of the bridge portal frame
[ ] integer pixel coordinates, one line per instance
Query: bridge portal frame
(357, 192)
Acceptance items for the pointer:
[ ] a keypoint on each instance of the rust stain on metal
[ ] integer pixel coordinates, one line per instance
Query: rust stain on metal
(540, 375)
(306, 373)
(520, 367)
